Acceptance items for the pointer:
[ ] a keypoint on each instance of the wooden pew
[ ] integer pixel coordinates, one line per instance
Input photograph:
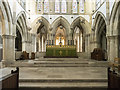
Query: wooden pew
(114, 74)
(113, 79)
(11, 81)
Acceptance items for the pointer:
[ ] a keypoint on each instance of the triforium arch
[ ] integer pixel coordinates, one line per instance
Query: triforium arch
(41, 29)
(80, 29)
(114, 33)
(21, 32)
(61, 23)
(100, 30)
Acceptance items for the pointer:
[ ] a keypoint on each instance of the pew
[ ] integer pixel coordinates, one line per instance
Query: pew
(113, 79)
(11, 81)
(114, 74)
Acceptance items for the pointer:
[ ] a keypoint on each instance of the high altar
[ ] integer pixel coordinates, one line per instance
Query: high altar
(61, 51)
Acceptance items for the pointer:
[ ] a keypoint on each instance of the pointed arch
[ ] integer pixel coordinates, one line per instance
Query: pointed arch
(38, 22)
(99, 18)
(114, 19)
(21, 25)
(7, 18)
(85, 24)
(60, 21)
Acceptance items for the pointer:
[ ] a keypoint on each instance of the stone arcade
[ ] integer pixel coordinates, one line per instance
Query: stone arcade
(49, 40)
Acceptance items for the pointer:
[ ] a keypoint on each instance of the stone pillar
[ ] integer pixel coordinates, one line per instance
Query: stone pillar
(112, 47)
(42, 43)
(24, 46)
(8, 49)
(33, 43)
(29, 48)
(80, 42)
(45, 45)
(77, 42)
(39, 45)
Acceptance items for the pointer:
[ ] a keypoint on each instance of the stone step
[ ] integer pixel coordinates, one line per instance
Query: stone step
(62, 85)
(62, 80)
(58, 65)
(69, 64)
(59, 83)
(60, 59)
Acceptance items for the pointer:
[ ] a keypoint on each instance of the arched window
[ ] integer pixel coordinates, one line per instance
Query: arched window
(74, 6)
(39, 6)
(57, 6)
(63, 6)
(82, 6)
(46, 6)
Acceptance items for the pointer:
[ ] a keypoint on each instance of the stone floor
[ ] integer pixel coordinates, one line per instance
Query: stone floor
(63, 73)
(89, 73)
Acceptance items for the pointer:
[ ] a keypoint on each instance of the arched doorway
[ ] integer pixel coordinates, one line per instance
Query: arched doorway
(18, 41)
(60, 37)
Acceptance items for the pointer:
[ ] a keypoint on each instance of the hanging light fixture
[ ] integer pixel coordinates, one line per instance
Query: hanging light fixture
(61, 27)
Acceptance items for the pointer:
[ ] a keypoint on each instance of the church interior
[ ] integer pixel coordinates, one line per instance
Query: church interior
(59, 44)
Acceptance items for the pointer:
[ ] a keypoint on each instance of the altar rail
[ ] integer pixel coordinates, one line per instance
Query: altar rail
(61, 51)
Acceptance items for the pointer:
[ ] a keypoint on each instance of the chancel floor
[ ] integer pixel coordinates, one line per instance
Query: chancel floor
(56, 73)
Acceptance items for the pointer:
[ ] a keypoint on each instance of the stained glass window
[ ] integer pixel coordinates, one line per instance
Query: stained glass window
(57, 6)
(63, 6)
(74, 6)
(46, 6)
(39, 6)
(82, 6)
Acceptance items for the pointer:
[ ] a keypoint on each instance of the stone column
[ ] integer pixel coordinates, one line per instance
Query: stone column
(112, 47)
(33, 43)
(39, 45)
(24, 46)
(29, 48)
(45, 45)
(78, 42)
(8, 49)
(42, 43)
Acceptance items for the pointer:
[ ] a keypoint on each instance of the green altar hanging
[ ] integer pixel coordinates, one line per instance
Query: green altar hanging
(61, 51)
